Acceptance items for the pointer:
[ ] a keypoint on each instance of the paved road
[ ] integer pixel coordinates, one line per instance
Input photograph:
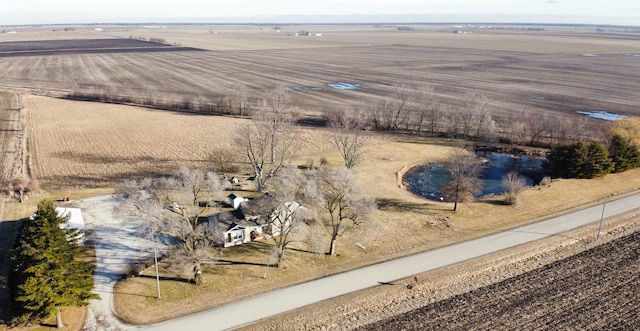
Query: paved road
(260, 307)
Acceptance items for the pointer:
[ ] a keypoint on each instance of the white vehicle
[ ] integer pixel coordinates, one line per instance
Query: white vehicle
(174, 207)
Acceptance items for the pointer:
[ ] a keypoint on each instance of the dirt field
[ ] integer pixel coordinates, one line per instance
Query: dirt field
(84, 144)
(551, 71)
(563, 282)
(80, 46)
(11, 135)
(80, 144)
(593, 290)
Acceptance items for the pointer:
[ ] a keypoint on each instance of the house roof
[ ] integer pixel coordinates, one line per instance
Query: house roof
(231, 220)
(75, 218)
(259, 207)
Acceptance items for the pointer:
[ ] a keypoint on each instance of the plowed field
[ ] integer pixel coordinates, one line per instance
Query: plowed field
(594, 290)
(541, 71)
(86, 144)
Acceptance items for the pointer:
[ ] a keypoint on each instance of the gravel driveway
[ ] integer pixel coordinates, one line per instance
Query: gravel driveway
(118, 243)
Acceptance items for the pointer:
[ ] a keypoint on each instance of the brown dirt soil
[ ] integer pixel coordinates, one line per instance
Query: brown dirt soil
(562, 282)
(537, 71)
(13, 164)
(85, 144)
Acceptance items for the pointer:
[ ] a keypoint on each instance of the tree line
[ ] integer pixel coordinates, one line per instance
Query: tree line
(416, 109)
(590, 160)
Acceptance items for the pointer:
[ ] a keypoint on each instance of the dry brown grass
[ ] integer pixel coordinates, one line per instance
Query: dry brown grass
(104, 143)
(72, 317)
(79, 144)
(419, 222)
(84, 144)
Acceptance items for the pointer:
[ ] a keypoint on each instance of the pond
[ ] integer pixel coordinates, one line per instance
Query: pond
(426, 180)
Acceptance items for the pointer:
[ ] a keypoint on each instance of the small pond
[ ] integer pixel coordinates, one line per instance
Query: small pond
(426, 180)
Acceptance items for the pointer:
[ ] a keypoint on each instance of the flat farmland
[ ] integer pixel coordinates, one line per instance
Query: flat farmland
(76, 144)
(82, 46)
(593, 290)
(546, 71)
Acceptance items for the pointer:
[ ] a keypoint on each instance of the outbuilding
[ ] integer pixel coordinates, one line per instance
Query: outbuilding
(75, 221)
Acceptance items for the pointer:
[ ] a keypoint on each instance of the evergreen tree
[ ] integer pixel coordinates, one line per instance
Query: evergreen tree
(46, 272)
(563, 161)
(624, 155)
(579, 160)
(595, 161)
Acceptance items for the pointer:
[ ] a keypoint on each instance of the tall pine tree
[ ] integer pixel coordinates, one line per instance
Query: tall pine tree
(46, 272)
(624, 155)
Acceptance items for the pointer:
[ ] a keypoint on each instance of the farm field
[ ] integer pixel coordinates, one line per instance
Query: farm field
(594, 290)
(76, 145)
(10, 137)
(83, 46)
(541, 71)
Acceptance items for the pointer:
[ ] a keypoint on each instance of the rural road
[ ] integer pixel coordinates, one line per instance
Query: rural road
(269, 304)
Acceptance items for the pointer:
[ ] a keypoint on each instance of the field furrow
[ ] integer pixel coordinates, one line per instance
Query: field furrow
(554, 73)
(593, 290)
(77, 143)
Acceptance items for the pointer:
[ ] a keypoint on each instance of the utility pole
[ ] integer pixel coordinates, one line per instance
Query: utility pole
(601, 219)
(155, 257)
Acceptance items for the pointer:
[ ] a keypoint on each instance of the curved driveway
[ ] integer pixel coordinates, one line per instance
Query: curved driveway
(266, 305)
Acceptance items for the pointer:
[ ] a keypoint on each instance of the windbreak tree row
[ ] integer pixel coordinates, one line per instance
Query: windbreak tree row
(591, 160)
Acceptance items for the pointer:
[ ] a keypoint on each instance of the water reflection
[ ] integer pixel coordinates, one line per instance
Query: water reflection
(426, 180)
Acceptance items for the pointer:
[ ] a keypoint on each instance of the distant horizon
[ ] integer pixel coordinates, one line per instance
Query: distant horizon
(548, 20)
(69, 12)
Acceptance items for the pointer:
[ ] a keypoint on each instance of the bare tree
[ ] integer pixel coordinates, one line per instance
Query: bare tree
(225, 160)
(394, 111)
(254, 142)
(21, 187)
(479, 105)
(423, 100)
(268, 142)
(296, 195)
(345, 206)
(579, 128)
(537, 125)
(182, 194)
(475, 116)
(275, 116)
(514, 184)
(348, 135)
(463, 169)
(451, 122)
(240, 96)
(516, 126)
(139, 204)
(436, 114)
(561, 129)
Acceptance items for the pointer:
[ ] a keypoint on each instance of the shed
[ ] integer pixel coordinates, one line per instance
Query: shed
(235, 200)
(75, 221)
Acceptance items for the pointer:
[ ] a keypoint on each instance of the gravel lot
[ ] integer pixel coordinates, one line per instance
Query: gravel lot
(118, 243)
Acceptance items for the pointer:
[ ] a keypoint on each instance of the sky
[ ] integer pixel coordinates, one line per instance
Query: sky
(612, 12)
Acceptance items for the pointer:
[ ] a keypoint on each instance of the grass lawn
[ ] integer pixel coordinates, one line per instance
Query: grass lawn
(405, 224)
